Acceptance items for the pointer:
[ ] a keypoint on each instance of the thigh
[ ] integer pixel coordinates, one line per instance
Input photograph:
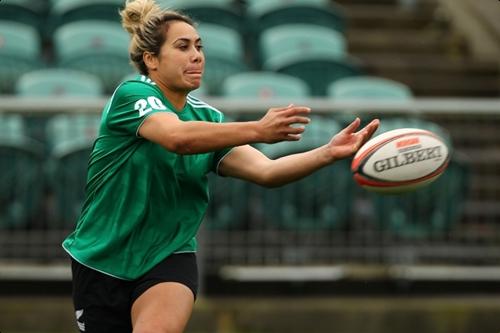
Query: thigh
(102, 303)
(164, 308)
(163, 298)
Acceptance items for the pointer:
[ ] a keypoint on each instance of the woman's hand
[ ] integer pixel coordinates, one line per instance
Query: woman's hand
(276, 125)
(347, 142)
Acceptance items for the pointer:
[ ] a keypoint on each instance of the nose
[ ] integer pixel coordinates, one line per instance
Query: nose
(197, 55)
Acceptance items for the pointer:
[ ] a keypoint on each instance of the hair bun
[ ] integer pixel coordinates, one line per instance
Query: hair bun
(136, 14)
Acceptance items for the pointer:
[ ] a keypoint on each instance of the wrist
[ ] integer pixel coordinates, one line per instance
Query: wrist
(254, 131)
(327, 157)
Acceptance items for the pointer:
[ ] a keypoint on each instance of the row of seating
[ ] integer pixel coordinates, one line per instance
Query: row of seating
(241, 15)
(301, 38)
(313, 53)
(256, 84)
(323, 201)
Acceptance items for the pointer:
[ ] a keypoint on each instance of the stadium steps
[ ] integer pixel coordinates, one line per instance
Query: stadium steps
(436, 75)
(416, 46)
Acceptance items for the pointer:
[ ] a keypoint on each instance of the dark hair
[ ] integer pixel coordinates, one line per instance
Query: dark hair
(147, 25)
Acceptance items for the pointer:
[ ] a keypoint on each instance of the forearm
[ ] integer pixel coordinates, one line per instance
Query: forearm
(194, 137)
(293, 167)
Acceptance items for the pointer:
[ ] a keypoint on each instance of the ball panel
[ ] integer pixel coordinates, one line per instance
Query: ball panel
(396, 189)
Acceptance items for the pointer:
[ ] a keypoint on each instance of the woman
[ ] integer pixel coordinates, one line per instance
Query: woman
(133, 250)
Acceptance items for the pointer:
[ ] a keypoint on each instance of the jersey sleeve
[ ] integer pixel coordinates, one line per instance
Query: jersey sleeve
(131, 104)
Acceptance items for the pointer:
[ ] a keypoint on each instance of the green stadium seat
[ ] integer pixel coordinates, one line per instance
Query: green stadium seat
(369, 87)
(270, 13)
(221, 12)
(263, 85)
(23, 11)
(19, 52)
(59, 82)
(20, 174)
(315, 54)
(229, 206)
(71, 138)
(318, 202)
(431, 210)
(262, 15)
(224, 54)
(97, 47)
(66, 11)
(201, 92)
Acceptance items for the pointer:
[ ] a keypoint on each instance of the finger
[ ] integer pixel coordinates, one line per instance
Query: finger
(352, 126)
(298, 120)
(295, 130)
(293, 137)
(370, 128)
(281, 108)
(296, 110)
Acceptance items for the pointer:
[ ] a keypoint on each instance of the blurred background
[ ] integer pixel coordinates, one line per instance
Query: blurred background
(319, 255)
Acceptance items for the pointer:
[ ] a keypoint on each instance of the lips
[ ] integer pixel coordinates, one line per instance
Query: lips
(194, 72)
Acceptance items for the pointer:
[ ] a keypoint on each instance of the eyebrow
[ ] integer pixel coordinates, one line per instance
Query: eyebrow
(185, 39)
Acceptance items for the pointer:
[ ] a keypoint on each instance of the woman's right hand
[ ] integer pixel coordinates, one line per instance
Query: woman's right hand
(276, 125)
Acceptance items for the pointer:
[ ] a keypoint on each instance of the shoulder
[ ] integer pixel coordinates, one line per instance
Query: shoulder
(139, 85)
(200, 105)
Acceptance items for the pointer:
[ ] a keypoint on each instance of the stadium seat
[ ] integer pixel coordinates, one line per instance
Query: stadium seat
(229, 205)
(20, 174)
(201, 92)
(222, 12)
(19, 52)
(262, 15)
(71, 139)
(321, 200)
(23, 11)
(97, 47)
(270, 13)
(428, 211)
(58, 82)
(66, 11)
(368, 87)
(315, 54)
(264, 85)
(224, 54)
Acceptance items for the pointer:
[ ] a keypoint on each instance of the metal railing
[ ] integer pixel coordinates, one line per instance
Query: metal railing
(322, 221)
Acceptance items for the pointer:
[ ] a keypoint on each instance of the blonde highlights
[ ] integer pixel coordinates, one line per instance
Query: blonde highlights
(147, 25)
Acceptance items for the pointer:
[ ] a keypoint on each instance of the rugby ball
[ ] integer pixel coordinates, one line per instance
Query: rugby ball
(400, 160)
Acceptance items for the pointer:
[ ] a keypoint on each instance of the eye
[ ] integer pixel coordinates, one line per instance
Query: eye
(183, 47)
(199, 47)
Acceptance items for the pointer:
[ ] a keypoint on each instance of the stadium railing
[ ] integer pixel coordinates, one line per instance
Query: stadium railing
(467, 249)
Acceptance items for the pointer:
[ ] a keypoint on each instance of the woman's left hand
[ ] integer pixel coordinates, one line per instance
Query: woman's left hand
(347, 142)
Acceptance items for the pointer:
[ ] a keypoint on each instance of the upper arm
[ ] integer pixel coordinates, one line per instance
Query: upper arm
(245, 162)
(158, 128)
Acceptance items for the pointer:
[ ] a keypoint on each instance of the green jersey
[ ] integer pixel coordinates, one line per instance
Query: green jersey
(142, 201)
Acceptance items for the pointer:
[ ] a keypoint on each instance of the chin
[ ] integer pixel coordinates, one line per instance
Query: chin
(193, 86)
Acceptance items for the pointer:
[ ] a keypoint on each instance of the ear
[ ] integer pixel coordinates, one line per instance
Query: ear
(150, 60)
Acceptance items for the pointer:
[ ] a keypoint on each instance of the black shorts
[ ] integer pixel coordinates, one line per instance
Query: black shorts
(103, 303)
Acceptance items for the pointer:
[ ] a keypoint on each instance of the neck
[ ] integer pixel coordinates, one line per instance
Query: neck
(176, 98)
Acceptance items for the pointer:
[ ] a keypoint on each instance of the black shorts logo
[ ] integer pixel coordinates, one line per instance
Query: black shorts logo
(80, 320)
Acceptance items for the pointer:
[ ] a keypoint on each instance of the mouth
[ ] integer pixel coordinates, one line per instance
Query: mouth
(194, 72)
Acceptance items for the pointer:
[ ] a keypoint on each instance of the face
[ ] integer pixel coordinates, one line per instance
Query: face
(181, 62)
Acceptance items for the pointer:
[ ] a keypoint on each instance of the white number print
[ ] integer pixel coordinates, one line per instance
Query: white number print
(145, 106)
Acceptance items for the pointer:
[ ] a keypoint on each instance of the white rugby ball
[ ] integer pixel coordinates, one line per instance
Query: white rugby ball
(400, 160)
